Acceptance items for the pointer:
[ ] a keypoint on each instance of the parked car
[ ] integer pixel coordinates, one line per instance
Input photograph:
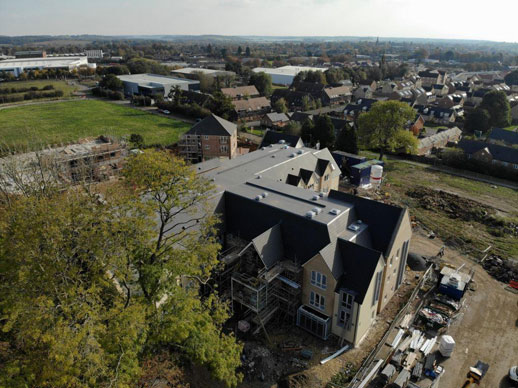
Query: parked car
(513, 373)
(166, 112)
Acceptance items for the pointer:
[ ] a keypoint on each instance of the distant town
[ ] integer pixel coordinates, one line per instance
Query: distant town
(247, 212)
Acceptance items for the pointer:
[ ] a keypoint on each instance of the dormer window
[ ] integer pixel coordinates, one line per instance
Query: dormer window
(319, 280)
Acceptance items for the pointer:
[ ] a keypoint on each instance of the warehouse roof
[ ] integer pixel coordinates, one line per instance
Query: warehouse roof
(147, 79)
(42, 62)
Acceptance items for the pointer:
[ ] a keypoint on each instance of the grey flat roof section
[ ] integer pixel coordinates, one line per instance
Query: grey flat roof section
(147, 79)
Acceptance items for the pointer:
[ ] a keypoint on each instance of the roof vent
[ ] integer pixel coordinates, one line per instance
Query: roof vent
(264, 194)
(316, 210)
(282, 141)
(354, 227)
(292, 155)
(262, 148)
(258, 198)
(335, 211)
(300, 152)
(258, 177)
(359, 222)
(321, 194)
(315, 198)
(310, 214)
(285, 147)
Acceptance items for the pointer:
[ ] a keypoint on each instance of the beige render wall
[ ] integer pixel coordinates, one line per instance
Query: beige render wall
(392, 261)
(317, 263)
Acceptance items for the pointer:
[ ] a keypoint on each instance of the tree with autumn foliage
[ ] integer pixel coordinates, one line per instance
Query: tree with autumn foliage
(94, 287)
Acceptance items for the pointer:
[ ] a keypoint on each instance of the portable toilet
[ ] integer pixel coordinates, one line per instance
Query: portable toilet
(361, 173)
(446, 345)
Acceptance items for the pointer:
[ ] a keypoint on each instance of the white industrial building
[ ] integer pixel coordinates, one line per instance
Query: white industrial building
(20, 65)
(153, 84)
(192, 72)
(284, 75)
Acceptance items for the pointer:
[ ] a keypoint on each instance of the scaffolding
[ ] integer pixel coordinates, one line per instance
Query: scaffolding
(264, 293)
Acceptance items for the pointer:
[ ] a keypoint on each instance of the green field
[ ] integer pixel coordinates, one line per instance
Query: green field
(58, 85)
(34, 126)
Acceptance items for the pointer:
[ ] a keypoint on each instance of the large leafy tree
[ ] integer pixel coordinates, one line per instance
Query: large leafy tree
(324, 131)
(92, 287)
(477, 120)
(347, 140)
(378, 127)
(280, 106)
(263, 83)
(512, 78)
(497, 105)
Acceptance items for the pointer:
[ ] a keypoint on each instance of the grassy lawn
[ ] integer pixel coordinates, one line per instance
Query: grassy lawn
(279, 87)
(34, 126)
(58, 85)
(471, 236)
(254, 131)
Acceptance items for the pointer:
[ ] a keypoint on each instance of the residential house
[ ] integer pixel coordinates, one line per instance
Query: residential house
(352, 111)
(439, 140)
(451, 100)
(439, 115)
(328, 262)
(335, 95)
(241, 92)
(252, 108)
(402, 95)
(503, 137)
(273, 137)
(490, 153)
(425, 98)
(363, 91)
(440, 90)
(212, 137)
(275, 120)
(430, 77)
(477, 95)
(417, 125)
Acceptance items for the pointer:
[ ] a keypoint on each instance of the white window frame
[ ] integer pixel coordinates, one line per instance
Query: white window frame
(317, 300)
(206, 137)
(347, 301)
(344, 318)
(207, 147)
(319, 280)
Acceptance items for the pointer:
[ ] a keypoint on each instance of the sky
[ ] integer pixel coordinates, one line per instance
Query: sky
(448, 19)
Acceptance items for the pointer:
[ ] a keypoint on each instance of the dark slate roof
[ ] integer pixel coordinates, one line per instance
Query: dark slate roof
(293, 180)
(274, 137)
(499, 134)
(300, 116)
(269, 246)
(382, 218)
(321, 166)
(213, 126)
(306, 174)
(500, 153)
(438, 86)
(358, 265)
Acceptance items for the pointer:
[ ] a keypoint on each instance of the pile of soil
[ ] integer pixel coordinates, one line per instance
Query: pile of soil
(500, 269)
(451, 204)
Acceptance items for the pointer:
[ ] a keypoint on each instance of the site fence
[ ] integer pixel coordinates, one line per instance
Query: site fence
(366, 365)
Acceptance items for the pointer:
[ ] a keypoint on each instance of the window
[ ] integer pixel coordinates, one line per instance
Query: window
(223, 148)
(319, 280)
(377, 287)
(515, 166)
(344, 318)
(347, 300)
(223, 139)
(206, 137)
(207, 147)
(317, 300)
(326, 178)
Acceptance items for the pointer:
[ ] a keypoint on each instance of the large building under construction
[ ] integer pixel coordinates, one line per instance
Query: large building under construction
(304, 252)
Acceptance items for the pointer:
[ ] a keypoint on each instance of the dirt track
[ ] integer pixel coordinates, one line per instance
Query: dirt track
(488, 330)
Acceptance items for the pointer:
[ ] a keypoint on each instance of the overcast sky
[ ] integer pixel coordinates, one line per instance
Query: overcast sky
(466, 19)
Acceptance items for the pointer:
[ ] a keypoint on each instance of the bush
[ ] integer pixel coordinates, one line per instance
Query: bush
(48, 87)
(191, 110)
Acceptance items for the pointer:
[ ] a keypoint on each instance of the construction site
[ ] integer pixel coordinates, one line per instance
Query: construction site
(423, 338)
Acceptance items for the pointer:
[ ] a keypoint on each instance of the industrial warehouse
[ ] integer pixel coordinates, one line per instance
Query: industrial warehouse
(19, 65)
(153, 84)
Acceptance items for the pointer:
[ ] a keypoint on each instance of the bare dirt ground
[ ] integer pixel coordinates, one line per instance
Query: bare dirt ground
(488, 330)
